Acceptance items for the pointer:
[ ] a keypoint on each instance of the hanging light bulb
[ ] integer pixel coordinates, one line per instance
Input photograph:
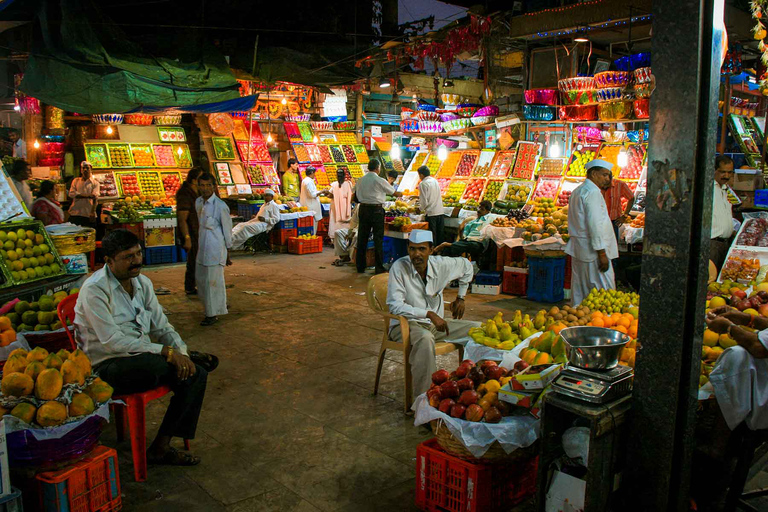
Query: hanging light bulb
(16, 108)
(284, 101)
(394, 153)
(554, 150)
(315, 139)
(385, 83)
(442, 153)
(179, 151)
(109, 130)
(623, 158)
(269, 137)
(36, 144)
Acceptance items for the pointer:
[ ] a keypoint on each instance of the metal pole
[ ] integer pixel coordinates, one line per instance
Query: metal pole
(686, 49)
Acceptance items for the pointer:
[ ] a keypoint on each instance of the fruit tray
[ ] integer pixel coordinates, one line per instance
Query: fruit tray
(120, 155)
(142, 155)
(610, 153)
(293, 132)
(567, 186)
(580, 158)
(322, 178)
(444, 184)
(418, 160)
(302, 155)
(518, 192)
(107, 185)
(315, 156)
(484, 162)
(183, 158)
(270, 174)
(545, 187)
(474, 190)
(551, 166)
(255, 174)
(347, 174)
(503, 164)
(150, 183)
(259, 152)
(527, 157)
(127, 183)
(349, 153)
(222, 148)
(96, 154)
(636, 155)
(346, 138)
(448, 169)
(456, 189)
(356, 171)
(164, 155)
(493, 190)
(29, 258)
(337, 154)
(171, 134)
(171, 182)
(467, 163)
(433, 163)
(306, 132)
(361, 153)
(327, 138)
(325, 153)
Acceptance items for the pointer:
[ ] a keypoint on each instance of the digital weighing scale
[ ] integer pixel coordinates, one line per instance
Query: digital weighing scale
(595, 386)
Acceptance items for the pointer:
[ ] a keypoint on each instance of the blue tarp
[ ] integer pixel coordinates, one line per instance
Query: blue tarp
(235, 105)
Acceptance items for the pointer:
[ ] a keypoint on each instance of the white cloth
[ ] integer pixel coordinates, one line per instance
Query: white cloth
(408, 296)
(430, 201)
(373, 189)
(741, 386)
(211, 289)
(24, 192)
(589, 225)
(341, 207)
(309, 198)
(80, 187)
(20, 149)
(722, 213)
(215, 234)
(245, 230)
(110, 323)
(344, 241)
(586, 275)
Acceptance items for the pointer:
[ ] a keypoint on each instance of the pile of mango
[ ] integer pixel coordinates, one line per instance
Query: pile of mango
(496, 333)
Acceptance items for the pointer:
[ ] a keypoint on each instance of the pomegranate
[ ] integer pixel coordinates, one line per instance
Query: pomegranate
(465, 384)
(435, 392)
(462, 370)
(492, 415)
(457, 411)
(449, 389)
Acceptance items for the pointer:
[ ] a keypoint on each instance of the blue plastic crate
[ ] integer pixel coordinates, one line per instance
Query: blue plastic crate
(306, 231)
(761, 198)
(182, 254)
(287, 224)
(546, 279)
(488, 278)
(242, 211)
(159, 255)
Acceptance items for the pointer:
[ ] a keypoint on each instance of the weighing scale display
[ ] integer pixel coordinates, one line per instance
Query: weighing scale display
(584, 386)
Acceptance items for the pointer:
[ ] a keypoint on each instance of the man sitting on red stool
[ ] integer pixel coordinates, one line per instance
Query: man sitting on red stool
(115, 315)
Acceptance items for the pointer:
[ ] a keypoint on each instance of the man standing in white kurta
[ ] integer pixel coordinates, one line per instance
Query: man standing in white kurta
(262, 222)
(214, 243)
(310, 196)
(592, 244)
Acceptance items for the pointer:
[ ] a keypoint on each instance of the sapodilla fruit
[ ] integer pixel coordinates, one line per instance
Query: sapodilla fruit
(37, 354)
(53, 361)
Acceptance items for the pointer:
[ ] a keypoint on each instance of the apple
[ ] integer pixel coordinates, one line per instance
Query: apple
(503, 407)
(469, 397)
(492, 415)
(477, 376)
(470, 362)
(457, 411)
(486, 364)
(763, 310)
(465, 384)
(440, 376)
(521, 365)
(434, 401)
(743, 304)
(738, 293)
(435, 392)
(446, 405)
(462, 370)
(495, 372)
(474, 413)
(449, 389)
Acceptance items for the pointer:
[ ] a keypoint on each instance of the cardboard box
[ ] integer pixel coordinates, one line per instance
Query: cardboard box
(75, 263)
(746, 180)
(530, 400)
(535, 378)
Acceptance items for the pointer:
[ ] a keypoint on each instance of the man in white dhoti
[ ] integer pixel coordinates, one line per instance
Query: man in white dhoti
(416, 284)
(345, 241)
(310, 196)
(592, 244)
(215, 241)
(262, 222)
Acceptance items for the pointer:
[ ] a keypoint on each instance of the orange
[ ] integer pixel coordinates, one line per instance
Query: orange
(5, 323)
(616, 317)
(632, 332)
(608, 321)
(621, 329)
(596, 314)
(624, 322)
(7, 337)
(598, 322)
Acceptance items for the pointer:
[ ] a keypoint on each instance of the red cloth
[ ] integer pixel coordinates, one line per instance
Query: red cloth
(613, 197)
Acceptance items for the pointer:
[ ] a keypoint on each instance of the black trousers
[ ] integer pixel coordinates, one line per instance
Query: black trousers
(474, 249)
(135, 374)
(718, 250)
(85, 222)
(189, 274)
(371, 218)
(436, 226)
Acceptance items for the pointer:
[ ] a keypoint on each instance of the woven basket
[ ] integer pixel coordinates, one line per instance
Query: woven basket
(77, 243)
(495, 453)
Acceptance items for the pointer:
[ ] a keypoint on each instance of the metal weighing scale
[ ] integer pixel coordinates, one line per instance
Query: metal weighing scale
(595, 386)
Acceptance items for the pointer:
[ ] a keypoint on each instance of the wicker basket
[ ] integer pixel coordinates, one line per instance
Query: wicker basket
(495, 453)
(76, 243)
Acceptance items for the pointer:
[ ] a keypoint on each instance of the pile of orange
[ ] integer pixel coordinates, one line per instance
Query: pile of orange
(622, 322)
(639, 221)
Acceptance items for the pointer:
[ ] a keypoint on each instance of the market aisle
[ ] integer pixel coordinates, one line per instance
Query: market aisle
(289, 422)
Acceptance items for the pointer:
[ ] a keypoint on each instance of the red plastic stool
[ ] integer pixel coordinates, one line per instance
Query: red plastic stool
(136, 405)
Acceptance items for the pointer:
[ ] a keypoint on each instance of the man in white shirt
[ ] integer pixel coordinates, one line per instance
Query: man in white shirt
(18, 145)
(214, 243)
(592, 244)
(20, 173)
(309, 196)
(416, 284)
(722, 213)
(84, 192)
(262, 222)
(116, 317)
(431, 204)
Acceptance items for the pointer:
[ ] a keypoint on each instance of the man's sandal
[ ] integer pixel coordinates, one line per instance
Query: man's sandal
(174, 457)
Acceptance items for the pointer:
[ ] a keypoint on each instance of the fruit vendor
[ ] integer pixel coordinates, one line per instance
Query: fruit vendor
(291, 179)
(592, 244)
(613, 195)
(186, 216)
(20, 173)
(431, 204)
(19, 147)
(117, 316)
(215, 241)
(722, 212)
(473, 241)
(84, 192)
(341, 212)
(46, 208)
(415, 291)
(263, 222)
(310, 196)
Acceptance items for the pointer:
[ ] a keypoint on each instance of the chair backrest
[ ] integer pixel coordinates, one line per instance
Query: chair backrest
(66, 311)
(377, 293)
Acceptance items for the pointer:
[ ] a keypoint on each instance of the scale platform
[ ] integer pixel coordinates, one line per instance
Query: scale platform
(595, 386)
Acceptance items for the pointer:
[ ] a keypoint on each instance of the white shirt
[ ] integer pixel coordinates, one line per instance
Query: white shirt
(81, 187)
(24, 192)
(430, 201)
(110, 323)
(20, 149)
(373, 189)
(309, 198)
(271, 213)
(589, 224)
(722, 213)
(215, 235)
(408, 296)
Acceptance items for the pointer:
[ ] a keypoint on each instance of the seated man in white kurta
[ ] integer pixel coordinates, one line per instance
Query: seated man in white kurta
(262, 222)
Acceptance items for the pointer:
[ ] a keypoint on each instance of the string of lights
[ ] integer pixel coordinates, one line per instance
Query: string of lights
(579, 30)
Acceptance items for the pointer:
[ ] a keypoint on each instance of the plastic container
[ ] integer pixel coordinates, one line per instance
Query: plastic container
(546, 279)
(642, 108)
(287, 224)
(540, 96)
(486, 289)
(305, 222)
(159, 255)
(486, 277)
(305, 246)
(12, 502)
(539, 112)
(90, 485)
(515, 283)
(305, 231)
(446, 483)
(578, 112)
(281, 236)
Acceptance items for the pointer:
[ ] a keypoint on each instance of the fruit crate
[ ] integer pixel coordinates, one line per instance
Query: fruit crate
(301, 153)
(106, 184)
(287, 224)
(466, 165)
(546, 279)
(305, 222)
(449, 167)
(503, 164)
(142, 155)
(445, 483)
(164, 155)
(575, 169)
(309, 230)
(526, 160)
(304, 246)
(120, 155)
(90, 485)
(159, 255)
(281, 236)
(150, 183)
(172, 181)
(515, 281)
(182, 156)
(10, 269)
(337, 154)
(486, 277)
(474, 184)
(123, 183)
(551, 166)
(96, 155)
(610, 153)
(361, 154)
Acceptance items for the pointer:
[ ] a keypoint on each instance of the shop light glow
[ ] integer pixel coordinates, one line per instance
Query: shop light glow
(581, 39)
(394, 153)
(623, 159)
(442, 153)
(179, 151)
(284, 101)
(16, 108)
(269, 137)
(109, 130)
(555, 151)
(384, 83)
(36, 144)
(315, 139)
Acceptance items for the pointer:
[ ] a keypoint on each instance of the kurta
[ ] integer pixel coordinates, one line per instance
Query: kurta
(83, 207)
(291, 184)
(309, 198)
(245, 230)
(341, 207)
(215, 238)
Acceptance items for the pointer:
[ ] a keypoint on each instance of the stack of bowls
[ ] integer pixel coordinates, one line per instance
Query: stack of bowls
(108, 118)
(430, 127)
(578, 90)
(467, 109)
(426, 115)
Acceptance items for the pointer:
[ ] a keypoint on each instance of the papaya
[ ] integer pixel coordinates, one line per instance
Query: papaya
(99, 392)
(53, 361)
(17, 384)
(82, 361)
(51, 413)
(48, 384)
(34, 369)
(71, 373)
(16, 363)
(37, 354)
(542, 358)
(81, 405)
(25, 412)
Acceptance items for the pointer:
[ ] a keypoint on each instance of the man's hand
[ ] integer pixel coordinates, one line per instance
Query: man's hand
(731, 314)
(262, 219)
(185, 368)
(621, 220)
(187, 243)
(440, 324)
(457, 308)
(603, 262)
(719, 324)
(229, 261)
(440, 247)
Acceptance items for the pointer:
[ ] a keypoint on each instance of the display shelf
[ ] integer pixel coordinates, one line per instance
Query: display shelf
(150, 183)
(526, 159)
(171, 182)
(164, 155)
(96, 155)
(127, 183)
(503, 163)
(467, 163)
(120, 155)
(182, 156)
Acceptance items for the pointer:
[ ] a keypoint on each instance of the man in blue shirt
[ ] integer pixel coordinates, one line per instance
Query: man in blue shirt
(473, 242)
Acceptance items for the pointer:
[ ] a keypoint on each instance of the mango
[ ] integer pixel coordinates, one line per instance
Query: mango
(34, 369)
(81, 405)
(37, 354)
(25, 412)
(53, 361)
(51, 413)
(71, 373)
(20, 352)
(82, 361)
(48, 384)
(14, 364)
(16, 384)
(99, 392)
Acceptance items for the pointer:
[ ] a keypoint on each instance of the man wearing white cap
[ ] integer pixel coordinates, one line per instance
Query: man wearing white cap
(592, 244)
(262, 222)
(416, 284)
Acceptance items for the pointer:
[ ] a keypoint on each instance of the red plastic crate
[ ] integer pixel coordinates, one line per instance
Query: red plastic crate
(445, 483)
(515, 283)
(281, 236)
(506, 255)
(304, 246)
(305, 222)
(137, 228)
(90, 485)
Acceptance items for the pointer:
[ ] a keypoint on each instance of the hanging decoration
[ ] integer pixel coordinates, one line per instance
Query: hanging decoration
(759, 8)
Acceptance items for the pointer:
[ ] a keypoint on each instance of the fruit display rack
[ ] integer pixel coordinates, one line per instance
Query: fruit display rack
(302, 155)
(293, 132)
(356, 171)
(120, 155)
(315, 156)
(448, 169)
(474, 190)
(610, 153)
(183, 158)
(456, 188)
(306, 132)
(255, 174)
(346, 138)
(467, 163)
(503, 164)
(551, 166)
(259, 151)
(96, 155)
(545, 187)
(518, 192)
(107, 185)
(492, 190)
(127, 183)
(526, 160)
(150, 183)
(171, 134)
(327, 138)
(418, 160)
(361, 153)
(164, 155)
(636, 155)
(270, 174)
(28, 259)
(349, 153)
(325, 153)
(567, 186)
(171, 182)
(579, 158)
(322, 179)
(337, 154)
(433, 163)
(222, 148)
(142, 155)
(484, 162)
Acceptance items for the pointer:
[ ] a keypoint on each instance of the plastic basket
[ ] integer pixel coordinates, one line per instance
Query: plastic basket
(281, 236)
(305, 246)
(485, 277)
(546, 279)
(305, 222)
(24, 450)
(159, 255)
(446, 483)
(137, 228)
(12, 502)
(90, 485)
(568, 273)
(761, 198)
(305, 230)
(287, 224)
(515, 283)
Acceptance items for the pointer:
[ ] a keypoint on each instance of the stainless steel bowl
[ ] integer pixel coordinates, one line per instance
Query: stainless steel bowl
(593, 348)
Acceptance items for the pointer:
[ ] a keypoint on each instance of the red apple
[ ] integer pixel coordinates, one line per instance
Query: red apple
(468, 397)
(495, 372)
(445, 405)
(477, 376)
(503, 407)
(435, 392)
(492, 415)
(763, 296)
(742, 305)
(440, 376)
(474, 413)
(465, 384)
(739, 293)
(470, 362)
(449, 389)
(486, 364)
(521, 365)
(434, 401)
(457, 411)
(462, 370)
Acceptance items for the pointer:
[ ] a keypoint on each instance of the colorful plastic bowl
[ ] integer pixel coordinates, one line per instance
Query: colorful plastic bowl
(576, 83)
(478, 120)
(489, 111)
(448, 116)
(578, 112)
(541, 96)
(614, 110)
(170, 120)
(642, 108)
(108, 118)
(610, 94)
(643, 75)
(299, 118)
(539, 112)
(409, 125)
(467, 109)
(139, 119)
(611, 79)
(430, 127)
(426, 115)
(427, 107)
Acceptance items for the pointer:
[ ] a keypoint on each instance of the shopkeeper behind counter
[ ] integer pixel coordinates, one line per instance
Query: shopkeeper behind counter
(84, 192)
(722, 212)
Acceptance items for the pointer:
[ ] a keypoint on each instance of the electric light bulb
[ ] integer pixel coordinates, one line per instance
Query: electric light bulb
(315, 139)
(554, 150)
(442, 153)
(179, 151)
(36, 144)
(284, 101)
(394, 153)
(623, 158)
(269, 137)
(16, 108)
(109, 130)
